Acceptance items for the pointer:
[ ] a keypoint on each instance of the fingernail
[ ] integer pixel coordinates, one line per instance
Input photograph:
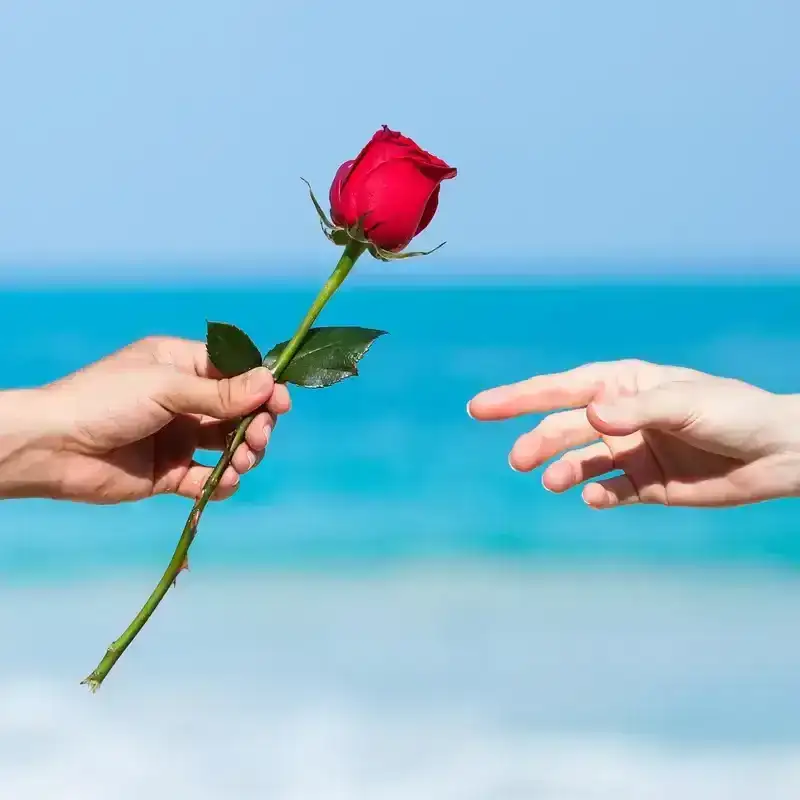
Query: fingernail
(259, 380)
(545, 487)
(251, 458)
(469, 413)
(587, 503)
(267, 432)
(512, 466)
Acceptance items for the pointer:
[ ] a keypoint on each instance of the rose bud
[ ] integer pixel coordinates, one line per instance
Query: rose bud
(392, 187)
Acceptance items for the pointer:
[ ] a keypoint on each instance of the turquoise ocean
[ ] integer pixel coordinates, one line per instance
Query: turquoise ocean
(385, 609)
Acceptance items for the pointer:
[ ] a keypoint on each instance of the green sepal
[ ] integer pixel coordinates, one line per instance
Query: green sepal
(356, 232)
(323, 217)
(339, 236)
(388, 255)
(328, 234)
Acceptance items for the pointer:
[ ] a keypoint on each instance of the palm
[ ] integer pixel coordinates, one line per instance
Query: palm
(663, 468)
(156, 464)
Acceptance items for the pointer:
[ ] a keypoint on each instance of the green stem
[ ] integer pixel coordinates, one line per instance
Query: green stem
(349, 257)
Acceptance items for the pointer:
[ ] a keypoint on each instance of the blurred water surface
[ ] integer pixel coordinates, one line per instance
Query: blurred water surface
(385, 610)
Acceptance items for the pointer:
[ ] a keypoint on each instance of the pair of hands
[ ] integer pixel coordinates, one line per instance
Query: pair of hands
(128, 427)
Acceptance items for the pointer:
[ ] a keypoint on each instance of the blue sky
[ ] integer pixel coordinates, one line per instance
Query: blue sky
(618, 130)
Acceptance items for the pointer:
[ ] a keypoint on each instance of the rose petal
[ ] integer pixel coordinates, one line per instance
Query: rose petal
(425, 157)
(335, 194)
(401, 202)
(396, 194)
(384, 146)
(429, 212)
(381, 148)
(410, 149)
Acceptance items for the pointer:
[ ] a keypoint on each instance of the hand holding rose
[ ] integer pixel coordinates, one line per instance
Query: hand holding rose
(128, 426)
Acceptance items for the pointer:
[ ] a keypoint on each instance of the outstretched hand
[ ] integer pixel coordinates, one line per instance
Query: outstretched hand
(678, 436)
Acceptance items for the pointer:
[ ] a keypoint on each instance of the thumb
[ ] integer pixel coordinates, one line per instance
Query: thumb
(222, 399)
(669, 407)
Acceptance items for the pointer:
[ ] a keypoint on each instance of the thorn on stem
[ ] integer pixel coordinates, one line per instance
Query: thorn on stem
(184, 567)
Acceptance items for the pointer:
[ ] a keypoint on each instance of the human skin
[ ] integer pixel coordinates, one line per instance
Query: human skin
(679, 436)
(127, 427)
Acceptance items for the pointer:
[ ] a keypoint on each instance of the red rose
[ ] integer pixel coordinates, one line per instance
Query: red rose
(393, 185)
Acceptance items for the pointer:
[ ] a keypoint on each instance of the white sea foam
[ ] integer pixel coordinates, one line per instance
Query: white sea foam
(443, 685)
(60, 745)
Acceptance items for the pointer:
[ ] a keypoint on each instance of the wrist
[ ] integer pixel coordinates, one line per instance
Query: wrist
(789, 421)
(786, 424)
(27, 445)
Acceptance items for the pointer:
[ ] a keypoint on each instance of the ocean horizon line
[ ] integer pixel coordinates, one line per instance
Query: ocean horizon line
(461, 271)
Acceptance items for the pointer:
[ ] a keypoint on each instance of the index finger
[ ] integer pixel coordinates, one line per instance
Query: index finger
(574, 388)
(186, 355)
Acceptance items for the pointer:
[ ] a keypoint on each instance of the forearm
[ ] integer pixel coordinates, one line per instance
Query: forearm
(775, 443)
(27, 445)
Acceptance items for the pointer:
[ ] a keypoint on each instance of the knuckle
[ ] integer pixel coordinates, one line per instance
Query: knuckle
(594, 372)
(152, 343)
(601, 367)
(225, 392)
(163, 348)
(154, 349)
(634, 364)
(552, 426)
